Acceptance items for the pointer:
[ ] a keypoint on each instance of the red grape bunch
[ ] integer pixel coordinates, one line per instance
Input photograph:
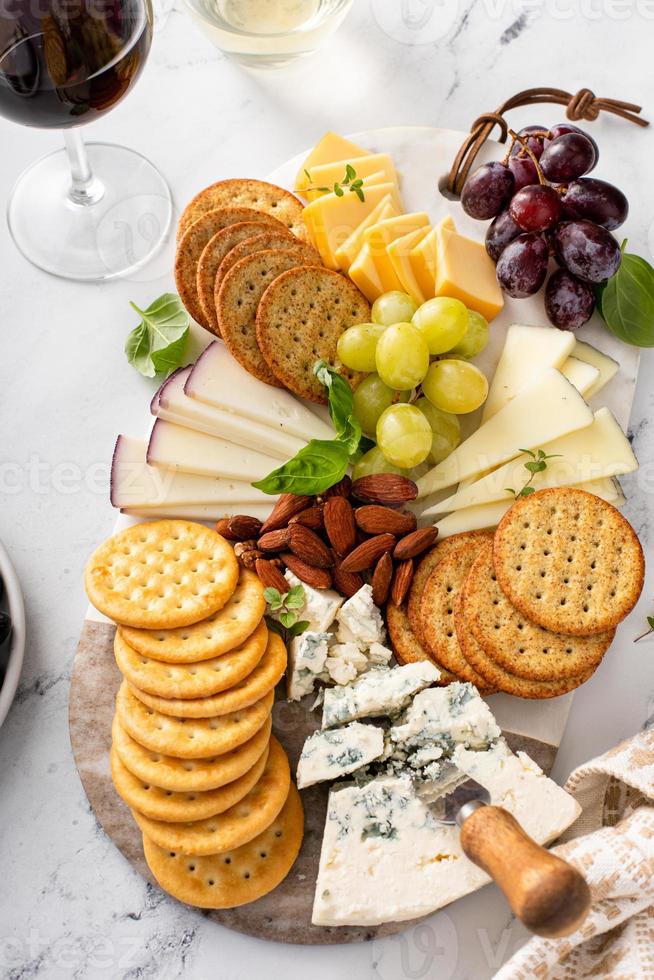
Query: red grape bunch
(543, 205)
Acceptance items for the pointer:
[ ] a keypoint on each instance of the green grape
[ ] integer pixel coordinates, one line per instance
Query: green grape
(402, 357)
(445, 430)
(357, 345)
(372, 462)
(404, 435)
(393, 307)
(371, 398)
(442, 322)
(455, 386)
(475, 337)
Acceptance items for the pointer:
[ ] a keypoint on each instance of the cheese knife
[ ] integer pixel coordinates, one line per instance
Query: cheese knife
(548, 895)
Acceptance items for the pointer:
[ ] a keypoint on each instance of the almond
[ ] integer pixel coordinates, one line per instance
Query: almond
(275, 540)
(375, 519)
(222, 528)
(385, 488)
(341, 489)
(381, 579)
(288, 505)
(339, 525)
(402, 582)
(347, 583)
(244, 526)
(312, 517)
(368, 553)
(317, 578)
(311, 549)
(270, 576)
(415, 543)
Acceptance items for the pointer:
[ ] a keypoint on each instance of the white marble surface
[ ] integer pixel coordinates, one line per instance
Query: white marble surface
(69, 904)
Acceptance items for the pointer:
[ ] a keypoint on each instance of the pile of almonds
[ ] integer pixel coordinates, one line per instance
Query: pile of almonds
(350, 534)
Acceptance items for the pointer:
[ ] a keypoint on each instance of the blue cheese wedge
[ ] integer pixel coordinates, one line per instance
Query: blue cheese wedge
(320, 606)
(442, 718)
(380, 692)
(337, 752)
(307, 654)
(360, 621)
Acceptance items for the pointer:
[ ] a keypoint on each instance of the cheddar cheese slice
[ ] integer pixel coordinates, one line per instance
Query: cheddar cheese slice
(423, 257)
(363, 273)
(330, 173)
(399, 257)
(378, 237)
(348, 251)
(465, 271)
(330, 220)
(328, 149)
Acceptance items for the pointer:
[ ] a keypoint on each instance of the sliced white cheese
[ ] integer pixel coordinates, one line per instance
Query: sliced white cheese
(527, 350)
(600, 450)
(583, 376)
(337, 752)
(173, 404)
(174, 447)
(606, 366)
(551, 407)
(377, 693)
(135, 484)
(489, 515)
(196, 512)
(218, 380)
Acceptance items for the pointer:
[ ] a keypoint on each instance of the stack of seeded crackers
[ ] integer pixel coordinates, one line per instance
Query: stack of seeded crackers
(531, 608)
(192, 753)
(245, 271)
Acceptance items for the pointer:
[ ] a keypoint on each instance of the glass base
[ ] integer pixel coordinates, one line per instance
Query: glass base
(119, 228)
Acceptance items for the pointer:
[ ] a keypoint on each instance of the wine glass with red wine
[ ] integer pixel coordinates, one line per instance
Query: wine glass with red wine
(91, 211)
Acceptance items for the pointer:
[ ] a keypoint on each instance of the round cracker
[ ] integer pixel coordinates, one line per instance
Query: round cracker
(256, 195)
(299, 320)
(258, 243)
(189, 775)
(223, 631)
(161, 575)
(215, 251)
(165, 805)
(236, 877)
(569, 561)
(190, 247)
(500, 678)
(237, 302)
(515, 643)
(189, 738)
(263, 678)
(406, 646)
(441, 589)
(236, 826)
(427, 565)
(184, 681)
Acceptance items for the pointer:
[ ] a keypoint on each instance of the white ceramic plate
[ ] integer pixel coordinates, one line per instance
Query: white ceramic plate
(13, 599)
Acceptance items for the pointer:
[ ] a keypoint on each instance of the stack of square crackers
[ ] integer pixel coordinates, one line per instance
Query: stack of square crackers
(531, 608)
(192, 753)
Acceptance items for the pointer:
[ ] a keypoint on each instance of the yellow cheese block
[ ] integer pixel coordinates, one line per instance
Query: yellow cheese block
(330, 148)
(348, 251)
(363, 273)
(465, 271)
(379, 236)
(400, 259)
(330, 220)
(423, 258)
(330, 173)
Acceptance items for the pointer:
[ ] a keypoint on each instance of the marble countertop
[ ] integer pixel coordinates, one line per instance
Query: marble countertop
(70, 906)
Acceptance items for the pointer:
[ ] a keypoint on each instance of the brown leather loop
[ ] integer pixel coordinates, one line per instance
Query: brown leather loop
(582, 105)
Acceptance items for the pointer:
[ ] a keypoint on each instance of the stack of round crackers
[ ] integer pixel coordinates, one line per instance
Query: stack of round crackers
(192, 753)
(530, 609)
(245, 270)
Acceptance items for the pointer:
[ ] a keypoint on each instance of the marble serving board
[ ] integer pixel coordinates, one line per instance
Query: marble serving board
(422, 156)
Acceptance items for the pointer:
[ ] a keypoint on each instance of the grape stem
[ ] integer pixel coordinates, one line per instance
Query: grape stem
(524, 143)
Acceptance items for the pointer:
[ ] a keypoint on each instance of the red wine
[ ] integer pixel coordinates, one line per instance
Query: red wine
(66, 63)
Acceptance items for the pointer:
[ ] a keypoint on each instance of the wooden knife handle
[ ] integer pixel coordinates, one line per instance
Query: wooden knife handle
(546, 893)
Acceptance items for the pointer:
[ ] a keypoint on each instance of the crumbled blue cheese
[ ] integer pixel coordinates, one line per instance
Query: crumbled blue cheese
(320, 606)
(382, 691)
(360, 621)
(307, 654)
(345, 662)
(337, 752)
(379, 655)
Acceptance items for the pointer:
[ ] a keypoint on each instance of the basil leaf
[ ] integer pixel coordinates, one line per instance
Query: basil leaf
(341, 406)
(157, 345)
(626, 301)
(318, 466)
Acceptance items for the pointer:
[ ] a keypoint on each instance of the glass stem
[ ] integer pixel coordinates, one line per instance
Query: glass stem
(85, 188)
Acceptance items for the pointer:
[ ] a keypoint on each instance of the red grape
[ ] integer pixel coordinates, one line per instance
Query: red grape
(562, 129)
(569, 302)
(587, 250)
(598, 201)
(536, 207)
(523, 170)
(522, 266)
(501, 231)
(567, 157)
(487, 190)
(535, 143)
